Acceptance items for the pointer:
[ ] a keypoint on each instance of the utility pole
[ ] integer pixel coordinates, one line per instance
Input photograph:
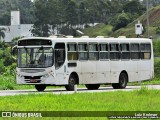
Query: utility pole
(147, 7)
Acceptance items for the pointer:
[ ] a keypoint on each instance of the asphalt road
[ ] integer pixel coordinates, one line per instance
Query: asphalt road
(79, 90)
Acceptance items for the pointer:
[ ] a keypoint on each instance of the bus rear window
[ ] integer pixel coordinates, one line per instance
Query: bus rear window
(145, 51)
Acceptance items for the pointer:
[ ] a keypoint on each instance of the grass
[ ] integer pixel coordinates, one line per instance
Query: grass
(137, 100)
(142, 99)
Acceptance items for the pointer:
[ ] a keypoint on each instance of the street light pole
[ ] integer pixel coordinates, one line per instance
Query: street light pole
(147, 7)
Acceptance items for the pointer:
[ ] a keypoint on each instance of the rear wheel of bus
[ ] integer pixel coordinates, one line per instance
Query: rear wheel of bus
(40, 88)
(123, 79)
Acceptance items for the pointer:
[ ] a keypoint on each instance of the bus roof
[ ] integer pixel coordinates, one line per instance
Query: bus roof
(76, 40)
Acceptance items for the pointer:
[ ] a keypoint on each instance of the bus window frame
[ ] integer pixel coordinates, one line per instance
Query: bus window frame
(135, 51)
(97, 52)
(83, 43)
(103, 43)
(114, 51)
(125, 51)
(69, 43)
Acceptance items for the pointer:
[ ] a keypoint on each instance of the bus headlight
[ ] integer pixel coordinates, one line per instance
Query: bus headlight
(20, 75)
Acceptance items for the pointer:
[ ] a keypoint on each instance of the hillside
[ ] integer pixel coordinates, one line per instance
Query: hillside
(129, 30)
(154, 22)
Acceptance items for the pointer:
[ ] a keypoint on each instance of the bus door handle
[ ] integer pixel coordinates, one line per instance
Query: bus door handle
(102, 73)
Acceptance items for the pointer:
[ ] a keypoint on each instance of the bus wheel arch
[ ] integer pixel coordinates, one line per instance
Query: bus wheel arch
(73, 80)
(123, 80)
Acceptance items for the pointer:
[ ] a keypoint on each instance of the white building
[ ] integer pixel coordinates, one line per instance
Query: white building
(16, 29)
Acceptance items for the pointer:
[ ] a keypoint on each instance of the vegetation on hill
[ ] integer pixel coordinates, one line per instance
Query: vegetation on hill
(154, 25)
(129, 30)
(66, 14)
(98, 30)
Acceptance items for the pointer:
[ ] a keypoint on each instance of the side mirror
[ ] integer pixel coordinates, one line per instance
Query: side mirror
(14, 51)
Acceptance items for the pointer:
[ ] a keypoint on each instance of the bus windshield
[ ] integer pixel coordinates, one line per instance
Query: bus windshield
(41, 57)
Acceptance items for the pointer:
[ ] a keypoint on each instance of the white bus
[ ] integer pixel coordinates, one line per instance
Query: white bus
(91, 61)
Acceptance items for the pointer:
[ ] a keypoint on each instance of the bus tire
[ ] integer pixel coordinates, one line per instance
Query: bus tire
(71, 83)
(92, 86)
(40, 88)
(123, 79)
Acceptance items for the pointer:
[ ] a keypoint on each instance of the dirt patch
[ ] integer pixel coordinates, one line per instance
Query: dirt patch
(153, 17)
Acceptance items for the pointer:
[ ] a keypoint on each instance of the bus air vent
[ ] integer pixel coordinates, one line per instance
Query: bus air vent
(100, 37)
(32, 70)
(85, 37)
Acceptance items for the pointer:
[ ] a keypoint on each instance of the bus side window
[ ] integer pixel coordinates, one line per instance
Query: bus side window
(72, 52)
(83, 51)
(114, 51)
(93, 51)
(135, 53)
(103, 55)
(145, 51)
(125, 52)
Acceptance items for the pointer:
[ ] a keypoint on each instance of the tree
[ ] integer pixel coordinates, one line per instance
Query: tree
(152, 3)
(158, 30)
(42, 13)
(5, 56)
(2, 34)
(71, 10)
(121, 21)
(25, 7)
(134, 7)
(64, 14)
(82, 13)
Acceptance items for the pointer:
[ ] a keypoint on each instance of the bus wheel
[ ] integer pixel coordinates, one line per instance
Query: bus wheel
(40, 88)
(122, 82)
(92, 86)
(71, 83)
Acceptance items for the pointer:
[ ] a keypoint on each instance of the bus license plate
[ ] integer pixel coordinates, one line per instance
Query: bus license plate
(33, 81)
